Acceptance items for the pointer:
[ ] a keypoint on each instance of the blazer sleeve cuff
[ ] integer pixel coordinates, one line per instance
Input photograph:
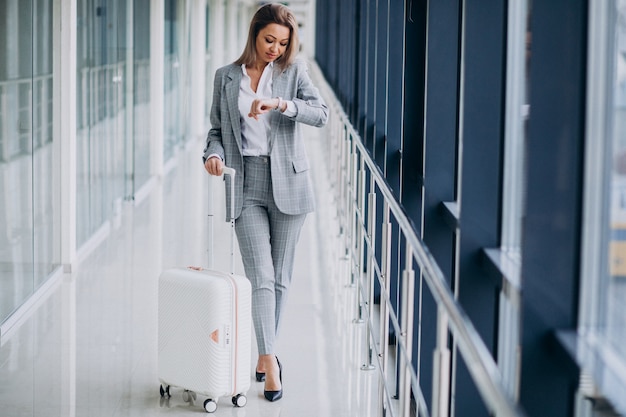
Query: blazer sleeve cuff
(291, 109)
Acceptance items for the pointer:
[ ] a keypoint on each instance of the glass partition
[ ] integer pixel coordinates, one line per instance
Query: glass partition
(173, 66)
(113, 143)
(141, 92)
(46, 256)
(27, 246)
(101, 116)
(208, 66)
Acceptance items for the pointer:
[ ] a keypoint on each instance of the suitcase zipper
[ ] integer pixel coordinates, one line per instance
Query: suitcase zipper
(235, 335)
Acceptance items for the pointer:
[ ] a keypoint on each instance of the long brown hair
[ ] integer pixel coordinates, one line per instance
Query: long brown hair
(271, 13)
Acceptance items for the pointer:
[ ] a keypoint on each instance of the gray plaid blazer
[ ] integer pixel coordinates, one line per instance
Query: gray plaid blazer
(293, 192)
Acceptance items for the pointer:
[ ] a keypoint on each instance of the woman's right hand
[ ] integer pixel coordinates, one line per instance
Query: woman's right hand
(213, 165)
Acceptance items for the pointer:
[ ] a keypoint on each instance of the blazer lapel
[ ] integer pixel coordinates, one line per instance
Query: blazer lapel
(232, 96)
(279, 88)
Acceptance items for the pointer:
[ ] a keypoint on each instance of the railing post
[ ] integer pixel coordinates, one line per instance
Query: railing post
(406, 324)
(343, 202)
(359, 242)
(4, 145)
(384, 307)
(441, 367)
(332, 156)
(342, 171)
(344, 184)
(341, 165)
(352, 207)
(371, 273)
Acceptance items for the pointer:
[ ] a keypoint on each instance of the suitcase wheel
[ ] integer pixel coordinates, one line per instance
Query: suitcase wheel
(210, 406)
(189, 396)
(240, 400)
(164, 390)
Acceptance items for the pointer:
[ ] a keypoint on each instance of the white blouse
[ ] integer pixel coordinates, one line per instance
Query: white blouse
(255, 133)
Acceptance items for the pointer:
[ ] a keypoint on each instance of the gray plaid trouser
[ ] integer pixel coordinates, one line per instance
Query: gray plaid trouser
(267, 240)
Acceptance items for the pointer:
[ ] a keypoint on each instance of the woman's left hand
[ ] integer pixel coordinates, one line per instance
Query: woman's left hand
(261, 106)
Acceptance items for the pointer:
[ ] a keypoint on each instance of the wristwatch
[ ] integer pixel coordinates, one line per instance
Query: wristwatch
(280, 103)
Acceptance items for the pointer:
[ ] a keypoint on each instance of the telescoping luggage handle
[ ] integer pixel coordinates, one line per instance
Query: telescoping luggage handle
(231, 172)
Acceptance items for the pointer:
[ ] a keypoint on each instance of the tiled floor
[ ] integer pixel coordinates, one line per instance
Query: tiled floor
(90, 347)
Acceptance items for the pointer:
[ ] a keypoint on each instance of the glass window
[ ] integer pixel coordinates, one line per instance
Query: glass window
(602, 318)
(616, 294)
(517, 113)
(514, 190)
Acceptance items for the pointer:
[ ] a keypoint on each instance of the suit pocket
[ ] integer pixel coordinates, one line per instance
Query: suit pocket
(300, 165)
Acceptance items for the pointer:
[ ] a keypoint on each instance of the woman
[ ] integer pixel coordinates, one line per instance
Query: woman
(258, 103)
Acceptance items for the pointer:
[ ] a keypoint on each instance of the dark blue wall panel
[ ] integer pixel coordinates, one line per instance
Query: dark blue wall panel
(439, 143)
(482, 133)
(552, 223)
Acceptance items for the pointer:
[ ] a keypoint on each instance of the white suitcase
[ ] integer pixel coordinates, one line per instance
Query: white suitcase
(205, 331)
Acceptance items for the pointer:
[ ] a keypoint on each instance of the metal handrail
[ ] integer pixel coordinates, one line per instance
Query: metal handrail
(451, 316)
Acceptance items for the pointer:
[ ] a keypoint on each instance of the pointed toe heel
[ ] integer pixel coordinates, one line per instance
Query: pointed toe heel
(273, 395)
(260, 376)
(276, 395)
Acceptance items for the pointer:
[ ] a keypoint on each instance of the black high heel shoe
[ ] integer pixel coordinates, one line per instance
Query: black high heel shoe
(276, 395)
(260, 376)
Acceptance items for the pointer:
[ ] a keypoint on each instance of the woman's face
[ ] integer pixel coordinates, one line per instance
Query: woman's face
(271, 42)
